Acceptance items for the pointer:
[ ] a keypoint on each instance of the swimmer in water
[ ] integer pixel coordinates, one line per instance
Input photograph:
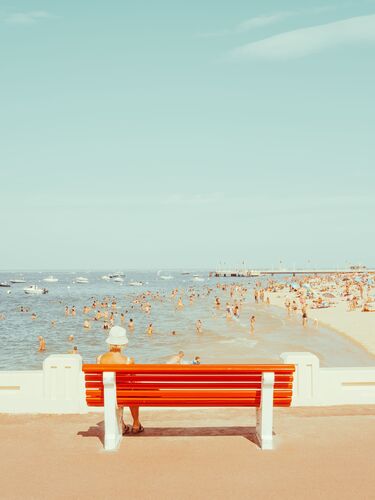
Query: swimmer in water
(71, 338)
(86, 324)
(33, 316)
(131, 324)
(180, 304)
(150, 329)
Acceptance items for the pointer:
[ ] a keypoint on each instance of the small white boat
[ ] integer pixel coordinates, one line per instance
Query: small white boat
(166, 277)
(50, 279)
(35, 290)
(81, 280)
(135, 283)
(198, 278)
(19, 280)
(116, 275)
(5, 284)
(106, 277)
(118, 279)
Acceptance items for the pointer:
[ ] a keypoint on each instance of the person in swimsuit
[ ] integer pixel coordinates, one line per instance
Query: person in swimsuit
(117, 339)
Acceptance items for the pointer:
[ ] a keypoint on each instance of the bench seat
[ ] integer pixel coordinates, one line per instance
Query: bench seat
(262, 386)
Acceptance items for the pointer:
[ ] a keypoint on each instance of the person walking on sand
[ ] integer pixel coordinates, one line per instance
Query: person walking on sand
(304, 317)
(117, 339)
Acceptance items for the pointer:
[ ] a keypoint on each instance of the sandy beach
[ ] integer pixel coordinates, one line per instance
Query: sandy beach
(359, 326)
(208, 453)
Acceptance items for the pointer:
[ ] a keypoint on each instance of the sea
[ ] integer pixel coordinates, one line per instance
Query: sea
(221, 341)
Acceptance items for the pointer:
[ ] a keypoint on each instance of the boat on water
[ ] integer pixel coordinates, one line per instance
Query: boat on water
(18, 280)
(197, 278)
(135, 283)
(81, 280)
(116, 275)
(185, 272)
(166, 277)
(5, 284)
(35, 290)
(50, 279)
(118, 279)
(106, 277)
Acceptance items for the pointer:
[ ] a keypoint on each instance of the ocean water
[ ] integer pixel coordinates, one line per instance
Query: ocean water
(221, 341)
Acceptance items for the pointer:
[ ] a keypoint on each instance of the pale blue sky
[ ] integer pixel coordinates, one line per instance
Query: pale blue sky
(183, 134)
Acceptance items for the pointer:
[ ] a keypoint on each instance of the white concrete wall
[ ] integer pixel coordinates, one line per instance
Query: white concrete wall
(60, 386)
(315, 386)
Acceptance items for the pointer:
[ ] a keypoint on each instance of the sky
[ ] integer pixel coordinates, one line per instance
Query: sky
(174, 134)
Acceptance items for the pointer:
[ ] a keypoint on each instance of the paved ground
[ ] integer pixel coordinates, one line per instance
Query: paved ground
(320, 453)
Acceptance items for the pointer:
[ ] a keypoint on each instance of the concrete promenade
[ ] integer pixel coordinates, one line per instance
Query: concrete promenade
(324, 453)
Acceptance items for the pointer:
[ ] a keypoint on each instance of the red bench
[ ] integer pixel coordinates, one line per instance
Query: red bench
(260, 386)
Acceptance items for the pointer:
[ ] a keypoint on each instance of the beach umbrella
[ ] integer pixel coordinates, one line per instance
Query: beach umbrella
(357, 279)
(305, 285)
(294, 285)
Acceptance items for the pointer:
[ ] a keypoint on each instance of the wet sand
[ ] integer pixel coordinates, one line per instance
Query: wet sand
(321, 453)
(357, 325)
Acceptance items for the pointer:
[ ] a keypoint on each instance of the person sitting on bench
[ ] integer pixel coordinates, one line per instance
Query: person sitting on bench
(117, 339)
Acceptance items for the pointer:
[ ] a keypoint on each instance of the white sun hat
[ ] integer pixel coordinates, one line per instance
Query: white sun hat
(117, 336)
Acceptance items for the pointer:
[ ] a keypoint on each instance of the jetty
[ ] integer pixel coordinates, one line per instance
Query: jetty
(254, 273)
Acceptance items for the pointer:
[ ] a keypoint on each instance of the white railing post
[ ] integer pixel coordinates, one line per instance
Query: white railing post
(112, 415)
(306, 389)
(264, 414)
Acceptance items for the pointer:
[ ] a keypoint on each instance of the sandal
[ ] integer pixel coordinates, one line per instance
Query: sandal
(137, 430)
(125, 429)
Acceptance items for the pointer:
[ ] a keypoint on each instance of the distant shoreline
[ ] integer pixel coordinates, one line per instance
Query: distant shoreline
(358, 326)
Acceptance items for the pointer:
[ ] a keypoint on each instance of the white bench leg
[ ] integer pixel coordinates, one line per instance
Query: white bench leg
(112, 415)
(264, 414)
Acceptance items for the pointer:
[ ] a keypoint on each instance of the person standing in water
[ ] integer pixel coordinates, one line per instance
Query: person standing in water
(198, 326)
(42, 344)
(252, 324)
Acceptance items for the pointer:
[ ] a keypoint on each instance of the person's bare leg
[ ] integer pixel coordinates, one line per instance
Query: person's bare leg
(134, 410)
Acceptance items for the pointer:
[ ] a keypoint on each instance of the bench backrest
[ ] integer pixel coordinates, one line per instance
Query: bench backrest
(186, 385)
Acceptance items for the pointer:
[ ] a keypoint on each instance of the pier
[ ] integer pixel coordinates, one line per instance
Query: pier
(245, 273)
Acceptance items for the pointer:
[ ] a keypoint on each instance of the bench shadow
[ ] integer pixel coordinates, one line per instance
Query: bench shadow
(248, 433)
(96, 431)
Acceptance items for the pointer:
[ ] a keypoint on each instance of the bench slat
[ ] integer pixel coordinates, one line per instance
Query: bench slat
(189, 385)
(195, 402)
(189, 377)
(202, 393)
(178, 369)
